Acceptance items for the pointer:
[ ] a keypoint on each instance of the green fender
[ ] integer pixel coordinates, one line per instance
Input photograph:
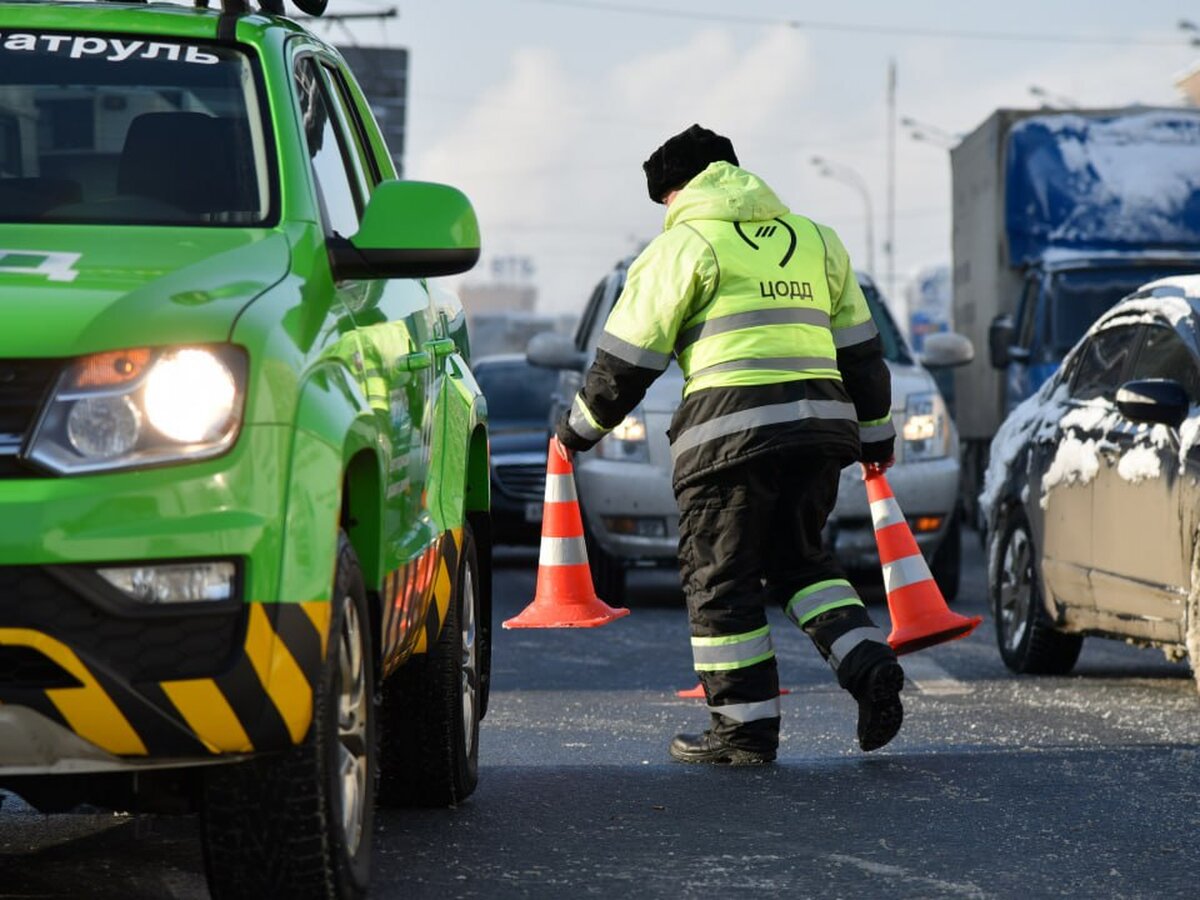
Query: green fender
(459, 480)
(333, 439)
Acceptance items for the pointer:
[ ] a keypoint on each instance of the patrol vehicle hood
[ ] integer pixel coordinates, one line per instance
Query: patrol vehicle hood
(70, 290)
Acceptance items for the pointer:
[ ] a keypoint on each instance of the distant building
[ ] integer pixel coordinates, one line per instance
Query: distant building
(928, 298)
(509, 332)
(1189, 84)
(501, 312)
(382, 73)
(497, 297)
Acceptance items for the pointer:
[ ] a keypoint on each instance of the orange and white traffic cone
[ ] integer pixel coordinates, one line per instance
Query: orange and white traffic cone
(920, 617)
(564, 597)
(697, 692)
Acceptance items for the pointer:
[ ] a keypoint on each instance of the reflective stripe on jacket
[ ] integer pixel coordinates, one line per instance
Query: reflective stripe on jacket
(768, 324)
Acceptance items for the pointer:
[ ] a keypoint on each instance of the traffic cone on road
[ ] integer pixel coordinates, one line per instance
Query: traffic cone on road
(920, 617)
(564, 597)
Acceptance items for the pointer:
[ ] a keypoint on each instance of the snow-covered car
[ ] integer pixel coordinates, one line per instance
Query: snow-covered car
(1092, 494)
(630, 515)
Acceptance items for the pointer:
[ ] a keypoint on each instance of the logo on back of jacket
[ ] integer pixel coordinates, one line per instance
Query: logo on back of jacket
(786, 290)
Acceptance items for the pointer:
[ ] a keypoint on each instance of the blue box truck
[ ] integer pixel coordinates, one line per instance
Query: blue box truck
(1056, 216)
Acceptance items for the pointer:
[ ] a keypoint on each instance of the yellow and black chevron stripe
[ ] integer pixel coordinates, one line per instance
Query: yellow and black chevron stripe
(416, 599)
(263, 701)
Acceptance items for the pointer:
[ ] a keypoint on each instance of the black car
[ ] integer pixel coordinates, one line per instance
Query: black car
(1093, 496)
(518, 401)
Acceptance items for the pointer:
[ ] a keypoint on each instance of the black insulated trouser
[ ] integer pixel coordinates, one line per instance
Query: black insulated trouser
(748, 535)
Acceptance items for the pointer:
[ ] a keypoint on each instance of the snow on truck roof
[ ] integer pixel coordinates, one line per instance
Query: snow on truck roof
(1104, 181)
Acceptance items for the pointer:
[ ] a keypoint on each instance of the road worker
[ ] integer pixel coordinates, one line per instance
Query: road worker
(785, 384)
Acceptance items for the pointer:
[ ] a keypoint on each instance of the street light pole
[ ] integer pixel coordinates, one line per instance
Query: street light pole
(890, 245)
(846, 175)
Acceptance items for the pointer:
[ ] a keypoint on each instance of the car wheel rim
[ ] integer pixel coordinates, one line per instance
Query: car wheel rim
(470, 659)
(353, 708)
(1016, 589)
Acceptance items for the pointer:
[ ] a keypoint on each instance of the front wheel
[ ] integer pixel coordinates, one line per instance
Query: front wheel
(432, 706)
(298, 824)
(1027, 639)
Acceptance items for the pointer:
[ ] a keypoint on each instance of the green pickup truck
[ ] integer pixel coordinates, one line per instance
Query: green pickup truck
(244, 539)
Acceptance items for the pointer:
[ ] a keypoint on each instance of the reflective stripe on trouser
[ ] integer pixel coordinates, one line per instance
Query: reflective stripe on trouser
(732, 651)
(726, 654)
(849, 641)
(840, 624)
(808, 603)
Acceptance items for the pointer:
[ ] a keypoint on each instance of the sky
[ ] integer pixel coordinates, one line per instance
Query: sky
(543, 110)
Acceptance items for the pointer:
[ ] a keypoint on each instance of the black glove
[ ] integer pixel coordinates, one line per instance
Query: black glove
(878, 451)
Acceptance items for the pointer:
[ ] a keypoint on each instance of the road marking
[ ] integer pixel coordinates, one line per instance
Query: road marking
(883, 870)
(930, 678)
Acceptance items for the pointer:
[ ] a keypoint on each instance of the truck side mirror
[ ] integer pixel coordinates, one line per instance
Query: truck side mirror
(946, 349)
(1000, 337)
(552, 350)
(1154, 401)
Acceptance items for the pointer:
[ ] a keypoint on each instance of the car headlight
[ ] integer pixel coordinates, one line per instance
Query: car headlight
(626, 442)
(925, 432)
(147, 406)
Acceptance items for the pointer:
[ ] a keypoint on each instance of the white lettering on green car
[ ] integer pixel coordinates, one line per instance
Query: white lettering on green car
(111, 49)
(53, 265)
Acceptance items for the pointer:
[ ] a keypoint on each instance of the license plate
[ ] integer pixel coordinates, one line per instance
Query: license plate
(533, 512)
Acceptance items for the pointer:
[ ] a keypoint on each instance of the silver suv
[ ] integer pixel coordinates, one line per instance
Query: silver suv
(624, 483)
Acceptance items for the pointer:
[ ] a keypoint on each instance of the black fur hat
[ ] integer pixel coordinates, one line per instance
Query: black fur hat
(683, 157)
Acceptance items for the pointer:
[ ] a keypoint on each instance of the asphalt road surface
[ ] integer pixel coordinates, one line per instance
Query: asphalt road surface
(998, 786)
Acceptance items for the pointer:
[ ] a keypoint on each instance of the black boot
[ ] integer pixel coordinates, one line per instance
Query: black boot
(708, 748)
(879, 709)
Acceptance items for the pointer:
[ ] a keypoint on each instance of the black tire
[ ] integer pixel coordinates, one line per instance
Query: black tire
(608, 572)
(275, 826)
(1028, 641)
(947, 561)
(432, 705)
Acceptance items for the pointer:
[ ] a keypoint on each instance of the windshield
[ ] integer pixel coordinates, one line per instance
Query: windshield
(516, 391)
(1079, 298)
(123, 131)
(894, 348)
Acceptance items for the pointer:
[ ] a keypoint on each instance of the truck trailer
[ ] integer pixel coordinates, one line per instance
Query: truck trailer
(1056, 216)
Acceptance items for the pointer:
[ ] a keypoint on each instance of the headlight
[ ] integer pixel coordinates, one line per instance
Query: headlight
(626, 442)
(925, 432)
(130, 408)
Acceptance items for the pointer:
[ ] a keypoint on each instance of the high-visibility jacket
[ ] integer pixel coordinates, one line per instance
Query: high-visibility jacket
(763, 313)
